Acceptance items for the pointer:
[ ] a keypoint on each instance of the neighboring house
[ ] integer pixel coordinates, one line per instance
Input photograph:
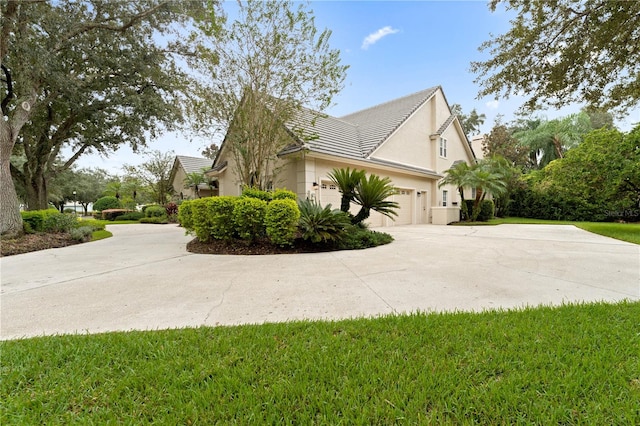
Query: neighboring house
(182, 166)
(412, 140)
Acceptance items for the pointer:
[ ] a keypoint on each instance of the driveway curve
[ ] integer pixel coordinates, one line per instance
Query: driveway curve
(143, 278)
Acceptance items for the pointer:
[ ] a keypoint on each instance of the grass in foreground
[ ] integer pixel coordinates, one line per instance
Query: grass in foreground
(629, 232)
(567, 365)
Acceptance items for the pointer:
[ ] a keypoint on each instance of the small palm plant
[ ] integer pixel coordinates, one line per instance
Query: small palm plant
(321, 224)
(347, 181)
(459, 175)
(372, 194)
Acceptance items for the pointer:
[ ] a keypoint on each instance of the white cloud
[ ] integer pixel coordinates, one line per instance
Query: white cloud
(493, 104)
(374, 37)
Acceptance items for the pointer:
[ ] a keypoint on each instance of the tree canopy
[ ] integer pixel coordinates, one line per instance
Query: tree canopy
(87, 76)
(561, 52)
(272, 62)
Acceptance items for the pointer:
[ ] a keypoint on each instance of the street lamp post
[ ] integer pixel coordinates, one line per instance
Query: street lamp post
(75, 212)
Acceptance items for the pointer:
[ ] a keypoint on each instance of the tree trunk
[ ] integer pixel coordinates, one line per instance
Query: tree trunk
(10, 218)
(37, 191)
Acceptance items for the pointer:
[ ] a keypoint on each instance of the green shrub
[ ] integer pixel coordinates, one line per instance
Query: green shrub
(60, 222)
(105, 203)
(82, 233)
(37, 219)
(321, 225)
(112, 214)
(248, 217)
(185, 215)
(357, 238)
(284, 194)
(95, 225)
(155, 219)
(281, 220)
(155, 211)
(257, 193)
(486, 210)
(213, 217)
(130, 216)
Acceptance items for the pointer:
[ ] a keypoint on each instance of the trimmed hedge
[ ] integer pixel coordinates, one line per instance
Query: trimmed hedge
(284, 194)
(213, 217)
(248, 217)
(281, 221)
(50, 220)
(185, 215)
(155, 211)
(257, 193)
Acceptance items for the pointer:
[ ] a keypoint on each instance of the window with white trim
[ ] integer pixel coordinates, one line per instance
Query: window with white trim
(443, 148)
(445, 196)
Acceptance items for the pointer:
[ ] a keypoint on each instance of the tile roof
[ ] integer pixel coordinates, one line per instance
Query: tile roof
(358, 134)
(193, 164)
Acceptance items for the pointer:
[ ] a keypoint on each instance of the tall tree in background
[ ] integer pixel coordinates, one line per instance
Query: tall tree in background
(272, 63)
(470, 122)
(154, 175)
(211, 151)
(500, 142)
(552, 138)
(564, 52)
(85, 76)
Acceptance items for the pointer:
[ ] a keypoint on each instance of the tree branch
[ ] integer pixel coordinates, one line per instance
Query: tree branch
(104, 26)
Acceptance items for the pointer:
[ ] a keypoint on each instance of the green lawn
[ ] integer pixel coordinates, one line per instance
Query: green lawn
(629, 232)
(576, 364)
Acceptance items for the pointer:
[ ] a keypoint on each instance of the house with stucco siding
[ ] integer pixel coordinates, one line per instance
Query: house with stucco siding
(184, 165)
(412, 140)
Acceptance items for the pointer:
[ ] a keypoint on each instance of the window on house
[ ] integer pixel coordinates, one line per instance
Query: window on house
(324, 186)
(473, 193)
(443, 148)
(445, 196)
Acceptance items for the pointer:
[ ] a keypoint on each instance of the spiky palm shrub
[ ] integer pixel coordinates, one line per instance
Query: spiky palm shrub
(372, 193)
(321, 224)
(347, 180)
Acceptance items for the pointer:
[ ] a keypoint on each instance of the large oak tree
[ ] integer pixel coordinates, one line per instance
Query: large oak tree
(565, 51)
(86, 76)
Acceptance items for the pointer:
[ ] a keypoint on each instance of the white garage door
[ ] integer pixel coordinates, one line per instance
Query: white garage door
(329, 194)
(404, 198)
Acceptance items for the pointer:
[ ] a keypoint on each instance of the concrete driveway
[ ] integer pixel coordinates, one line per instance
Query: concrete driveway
(143, 278)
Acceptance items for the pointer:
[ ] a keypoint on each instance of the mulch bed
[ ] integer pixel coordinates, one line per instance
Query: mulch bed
(260, 247)
(35, 242)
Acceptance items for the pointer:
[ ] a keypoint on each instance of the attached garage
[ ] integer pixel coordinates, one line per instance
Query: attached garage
(404, 197)
(329, 194)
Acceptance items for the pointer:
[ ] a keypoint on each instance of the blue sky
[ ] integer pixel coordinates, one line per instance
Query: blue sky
(393, 48)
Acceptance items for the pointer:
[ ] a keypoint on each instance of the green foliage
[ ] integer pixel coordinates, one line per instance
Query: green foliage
(60, 222)
(372, 194)
(257, 193)
(321, 224)
(130, 216)
(284, 194)
(96, 225)
(347, 180)
(487, 209)
(269, 62)
(155, 211)
(185, 215)
(248, 217)
(549, 54)
(105, 203)
(155, 175)
(213, 218)
(155, 219)
(281, 220)
(37, 219)
(112, 214)
(82, 234)
(596, 181)
(358, 238)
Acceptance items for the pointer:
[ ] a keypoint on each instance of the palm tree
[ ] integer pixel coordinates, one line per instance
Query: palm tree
(347, 180)
(193, 180)
(487, 177)
(549, 140)
(459, 176)
(372, 194)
